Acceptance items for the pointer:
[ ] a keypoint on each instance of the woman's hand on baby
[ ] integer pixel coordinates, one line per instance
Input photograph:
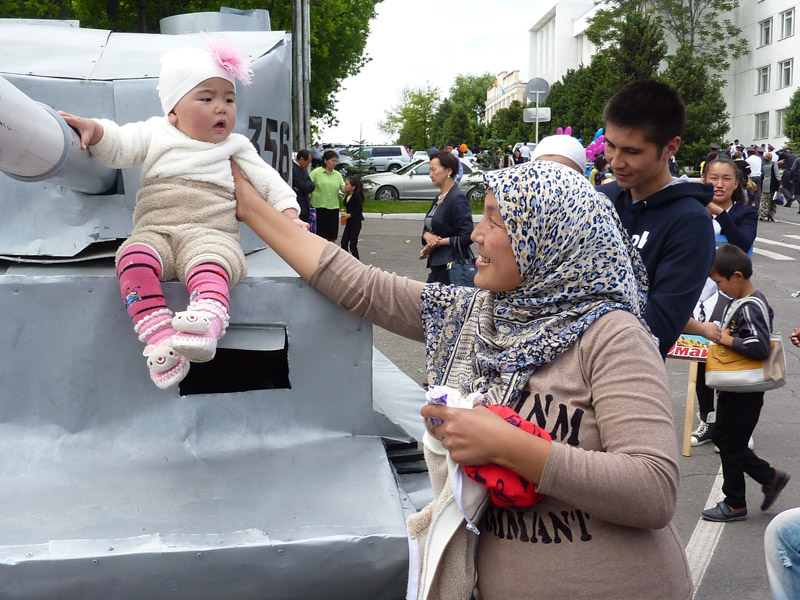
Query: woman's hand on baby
(89, 130)
(467, 433)
(244, 192)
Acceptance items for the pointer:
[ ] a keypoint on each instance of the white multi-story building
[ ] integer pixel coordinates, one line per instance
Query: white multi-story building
(506, 89)
(758, 85)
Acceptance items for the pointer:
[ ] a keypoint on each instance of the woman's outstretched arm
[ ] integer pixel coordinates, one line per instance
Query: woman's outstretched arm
(299, 248)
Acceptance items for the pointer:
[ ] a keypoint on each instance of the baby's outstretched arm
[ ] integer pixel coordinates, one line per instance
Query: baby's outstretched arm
(91, 131)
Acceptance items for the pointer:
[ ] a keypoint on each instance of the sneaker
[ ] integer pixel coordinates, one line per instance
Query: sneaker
(701, 435)
(772, 490)
(722, 513)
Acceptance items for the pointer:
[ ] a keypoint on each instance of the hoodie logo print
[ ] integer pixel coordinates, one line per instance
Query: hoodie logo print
(640, 241)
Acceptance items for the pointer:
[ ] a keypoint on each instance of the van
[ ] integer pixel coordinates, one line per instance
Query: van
(385, 158)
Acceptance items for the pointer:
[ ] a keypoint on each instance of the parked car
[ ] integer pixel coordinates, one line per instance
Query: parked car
(420, 155)
(385, 158)
(413, 182)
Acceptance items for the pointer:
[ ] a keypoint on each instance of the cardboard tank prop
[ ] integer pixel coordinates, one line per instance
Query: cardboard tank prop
(264, 474)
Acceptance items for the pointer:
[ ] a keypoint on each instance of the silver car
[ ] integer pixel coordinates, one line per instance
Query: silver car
(413, 182)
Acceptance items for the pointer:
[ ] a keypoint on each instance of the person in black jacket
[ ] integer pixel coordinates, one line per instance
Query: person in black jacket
(353, 213)
(785, 161)
(449, 219)
(302, 183)
(665, 217)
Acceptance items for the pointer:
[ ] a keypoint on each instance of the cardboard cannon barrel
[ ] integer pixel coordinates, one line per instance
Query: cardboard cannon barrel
(36, 145)
(265, 473)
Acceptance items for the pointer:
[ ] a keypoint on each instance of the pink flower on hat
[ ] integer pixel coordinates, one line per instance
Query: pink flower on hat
(230, 58)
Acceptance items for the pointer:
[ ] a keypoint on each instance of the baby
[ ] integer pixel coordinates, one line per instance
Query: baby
(184, 223)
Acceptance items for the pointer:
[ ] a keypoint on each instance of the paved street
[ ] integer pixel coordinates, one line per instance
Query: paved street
(727, 560)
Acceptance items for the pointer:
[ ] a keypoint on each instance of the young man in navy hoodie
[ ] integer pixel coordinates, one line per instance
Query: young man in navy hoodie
(665, 217)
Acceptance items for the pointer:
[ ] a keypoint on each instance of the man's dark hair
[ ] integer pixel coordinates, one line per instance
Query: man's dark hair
(448, 161)
(730, 259)
(304, 154)
(652, 106)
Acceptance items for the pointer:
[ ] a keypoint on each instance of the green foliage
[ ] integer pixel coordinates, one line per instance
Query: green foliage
(696, 24)
(457, 127)
(578, 99)
(469, 92)
(339, 30)
(791, 124)
(456, 118)
(411, 119)
(508, 125)
(638, 51)
(707, 117)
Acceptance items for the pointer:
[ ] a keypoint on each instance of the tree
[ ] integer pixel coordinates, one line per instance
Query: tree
(578, 99)
(699, 25)
(638, 50)
(706, 111)
(508, 125)
(411, 118)
(457, 127)
(791, 124)
(339, 30)
(469, 92)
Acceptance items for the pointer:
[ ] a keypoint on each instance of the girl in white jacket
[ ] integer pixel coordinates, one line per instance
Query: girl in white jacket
(184, 223)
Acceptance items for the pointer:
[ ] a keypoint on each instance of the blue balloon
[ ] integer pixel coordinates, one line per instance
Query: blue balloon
(580, 140)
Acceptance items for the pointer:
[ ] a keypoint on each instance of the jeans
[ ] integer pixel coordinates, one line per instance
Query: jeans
(782, 549)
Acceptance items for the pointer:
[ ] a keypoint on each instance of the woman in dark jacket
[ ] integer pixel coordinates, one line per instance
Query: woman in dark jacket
(449, 219)
(353, 213)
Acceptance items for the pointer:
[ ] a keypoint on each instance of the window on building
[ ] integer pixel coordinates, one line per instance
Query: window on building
(785, 73)
(787, 23)
(765, 32)
(762, 126)
(763, 80)
(780, 116)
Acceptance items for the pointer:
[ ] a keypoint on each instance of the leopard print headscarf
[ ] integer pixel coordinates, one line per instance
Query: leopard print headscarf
(576, 263)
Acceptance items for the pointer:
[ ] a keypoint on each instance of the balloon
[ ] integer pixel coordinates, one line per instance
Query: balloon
(568, 130)
(559, 131)
(581, 141)
(601, 139)
(463, 148)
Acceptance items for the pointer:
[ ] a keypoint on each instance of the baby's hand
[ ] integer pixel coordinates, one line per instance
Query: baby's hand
(302, 224)
(89, 130)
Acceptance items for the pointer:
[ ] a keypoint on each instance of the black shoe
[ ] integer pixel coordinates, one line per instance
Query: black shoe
(722, 513)
(701, 435)
(771, 490)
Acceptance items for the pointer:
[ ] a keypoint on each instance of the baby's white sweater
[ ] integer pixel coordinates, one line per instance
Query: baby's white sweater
(165, 151)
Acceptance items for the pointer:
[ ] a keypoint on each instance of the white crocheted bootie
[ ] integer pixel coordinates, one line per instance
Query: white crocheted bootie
(167, 367)
(198, 328)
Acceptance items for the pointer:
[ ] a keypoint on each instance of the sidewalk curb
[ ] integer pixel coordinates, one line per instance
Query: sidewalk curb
(407, 216)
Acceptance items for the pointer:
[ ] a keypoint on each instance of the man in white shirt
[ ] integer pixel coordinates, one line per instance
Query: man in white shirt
(525, 152)
(755, 161)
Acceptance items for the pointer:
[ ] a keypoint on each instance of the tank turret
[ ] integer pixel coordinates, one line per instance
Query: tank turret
(264, 474)
(37, 145)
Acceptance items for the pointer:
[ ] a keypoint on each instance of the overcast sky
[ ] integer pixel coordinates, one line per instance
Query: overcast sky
(414, 42)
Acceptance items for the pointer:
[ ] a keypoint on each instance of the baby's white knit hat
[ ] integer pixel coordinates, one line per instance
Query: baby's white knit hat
(184, 68)
(562, 145)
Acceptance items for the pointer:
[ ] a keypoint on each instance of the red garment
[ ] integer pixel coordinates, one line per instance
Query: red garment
(507, 488)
